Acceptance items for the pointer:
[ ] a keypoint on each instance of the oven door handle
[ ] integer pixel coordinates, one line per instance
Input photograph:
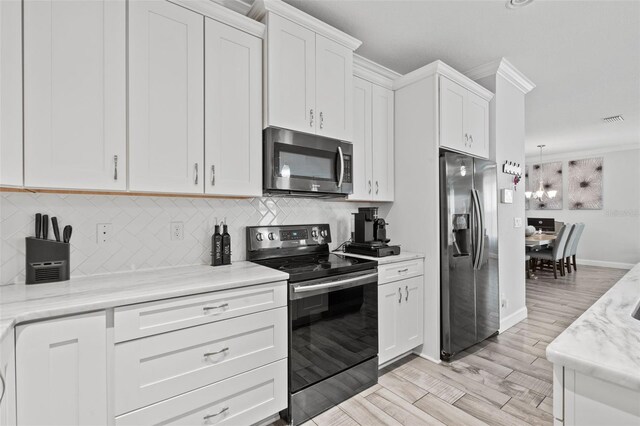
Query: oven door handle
(341, 167)
(357, 280)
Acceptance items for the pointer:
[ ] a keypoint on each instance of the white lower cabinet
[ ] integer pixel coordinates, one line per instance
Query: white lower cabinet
(581, 399)
(61, 371)
(151, 369)
(241, 400)
(7, 381)
(400, 313)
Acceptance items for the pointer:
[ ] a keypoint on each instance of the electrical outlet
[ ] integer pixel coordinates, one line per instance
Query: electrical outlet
(177, 231)
(103, 233)
(517, 222)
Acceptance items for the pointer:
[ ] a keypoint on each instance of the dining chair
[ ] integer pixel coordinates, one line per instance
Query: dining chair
(572, 246)
(555, 254)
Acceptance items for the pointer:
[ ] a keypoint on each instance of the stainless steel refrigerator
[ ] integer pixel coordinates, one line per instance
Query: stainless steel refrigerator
(470, 306)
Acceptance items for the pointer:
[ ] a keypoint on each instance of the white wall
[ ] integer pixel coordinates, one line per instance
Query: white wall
(612, 235)
(507, 136)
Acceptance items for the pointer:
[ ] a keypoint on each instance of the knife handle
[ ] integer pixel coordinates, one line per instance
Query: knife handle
(38, 225)
(45, 226)
(56, 230)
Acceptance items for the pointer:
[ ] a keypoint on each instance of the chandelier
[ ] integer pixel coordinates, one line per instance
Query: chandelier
(540, 193)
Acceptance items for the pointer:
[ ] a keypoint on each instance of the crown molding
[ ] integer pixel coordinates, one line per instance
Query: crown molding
(440, 68)
(373, 72)
(222, 13)
(579, 154)
(505, 69)
(239, 6)
(260, 9)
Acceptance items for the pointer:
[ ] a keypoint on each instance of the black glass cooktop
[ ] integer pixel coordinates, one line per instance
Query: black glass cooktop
(312, 266)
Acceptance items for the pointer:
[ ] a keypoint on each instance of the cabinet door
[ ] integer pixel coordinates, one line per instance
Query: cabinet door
(411, 312)
(452, 106)
(334, 89)
(291, 76)
(8, 376)
(75, 94)
(362, 154)
(477, 124)
(11, 93)
(61, 371)
(382, 137)
(166, 98)
(389, 343)
(233, 124)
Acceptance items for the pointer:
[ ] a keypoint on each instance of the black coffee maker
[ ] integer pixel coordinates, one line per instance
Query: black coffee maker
(370, 235)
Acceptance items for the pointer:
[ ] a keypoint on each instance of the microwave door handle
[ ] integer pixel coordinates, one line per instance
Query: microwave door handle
(341, 167)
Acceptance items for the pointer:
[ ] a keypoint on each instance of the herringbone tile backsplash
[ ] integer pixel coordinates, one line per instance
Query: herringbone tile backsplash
(141, 227)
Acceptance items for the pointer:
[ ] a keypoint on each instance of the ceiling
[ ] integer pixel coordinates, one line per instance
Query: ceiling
(583, 56)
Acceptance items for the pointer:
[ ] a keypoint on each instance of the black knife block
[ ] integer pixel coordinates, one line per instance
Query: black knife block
(47, 261)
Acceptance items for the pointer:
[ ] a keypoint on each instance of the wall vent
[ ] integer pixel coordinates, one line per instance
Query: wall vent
(613, 119)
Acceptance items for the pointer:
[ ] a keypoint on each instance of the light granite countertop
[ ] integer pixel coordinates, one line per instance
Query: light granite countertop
(20, 302)
(604, 342)
(388, 259)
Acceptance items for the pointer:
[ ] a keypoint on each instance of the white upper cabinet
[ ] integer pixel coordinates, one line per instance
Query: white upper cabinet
(166, 98)
(477, 124)
(290, 97)
(75, 94)
(334, 89)
(309, 66)
(362, 148)
(382, 142)
(61, 370)
(11, 93)
(373, 132)
(233, 99)
(464, 119)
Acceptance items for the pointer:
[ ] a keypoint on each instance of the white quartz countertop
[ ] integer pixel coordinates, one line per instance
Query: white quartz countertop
(389, 259)
(604, 342)
(20, 302)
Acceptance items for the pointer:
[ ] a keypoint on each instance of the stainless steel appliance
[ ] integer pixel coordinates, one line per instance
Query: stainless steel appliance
(333, 316)
(370, 235)
(306, 165)
(470, 308)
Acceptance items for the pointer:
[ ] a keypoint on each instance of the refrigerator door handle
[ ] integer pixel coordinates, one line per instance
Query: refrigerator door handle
(477, 237)
(481, 226)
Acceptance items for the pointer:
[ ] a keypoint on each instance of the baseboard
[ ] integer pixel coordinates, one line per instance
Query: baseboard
(511, 320)
(604, 264)
(427, 357)
(392, 360)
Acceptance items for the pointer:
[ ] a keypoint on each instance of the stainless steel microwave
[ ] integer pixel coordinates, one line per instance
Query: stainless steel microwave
(296, 163)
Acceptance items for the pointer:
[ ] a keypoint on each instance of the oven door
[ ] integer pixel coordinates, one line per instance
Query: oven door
(308, 163)
(333, 326)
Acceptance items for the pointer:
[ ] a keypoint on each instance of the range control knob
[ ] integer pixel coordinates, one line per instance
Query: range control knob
(324, 233)
(271, 236)
(314, 233)
(259, 236)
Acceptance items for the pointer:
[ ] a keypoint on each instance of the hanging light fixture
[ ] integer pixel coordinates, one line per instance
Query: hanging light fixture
(540, 193)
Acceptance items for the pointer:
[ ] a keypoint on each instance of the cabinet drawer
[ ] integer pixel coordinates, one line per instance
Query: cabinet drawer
(241, 400)
(146, 319)
(399, 271)
(158, 367)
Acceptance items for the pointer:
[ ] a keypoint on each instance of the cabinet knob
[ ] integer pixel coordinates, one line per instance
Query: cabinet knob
(377, 188)
(115, 167)
(470, 140)
(311, 117)
(195, 172)
(321, 120)
(213, 175)
(399, 295)
(216, 352)
(369, 186)
(216, 414)
(406, 288)
(466, 139)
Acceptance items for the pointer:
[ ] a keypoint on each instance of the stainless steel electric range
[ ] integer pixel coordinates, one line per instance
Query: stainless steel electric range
(333, 316)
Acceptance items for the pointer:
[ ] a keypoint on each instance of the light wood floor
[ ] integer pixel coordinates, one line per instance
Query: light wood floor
(505, 380)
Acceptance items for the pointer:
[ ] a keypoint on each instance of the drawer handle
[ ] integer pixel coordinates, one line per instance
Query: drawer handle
(216, 414)
(403, 270)
(406, 288)
(209, 308)
(216, 352)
